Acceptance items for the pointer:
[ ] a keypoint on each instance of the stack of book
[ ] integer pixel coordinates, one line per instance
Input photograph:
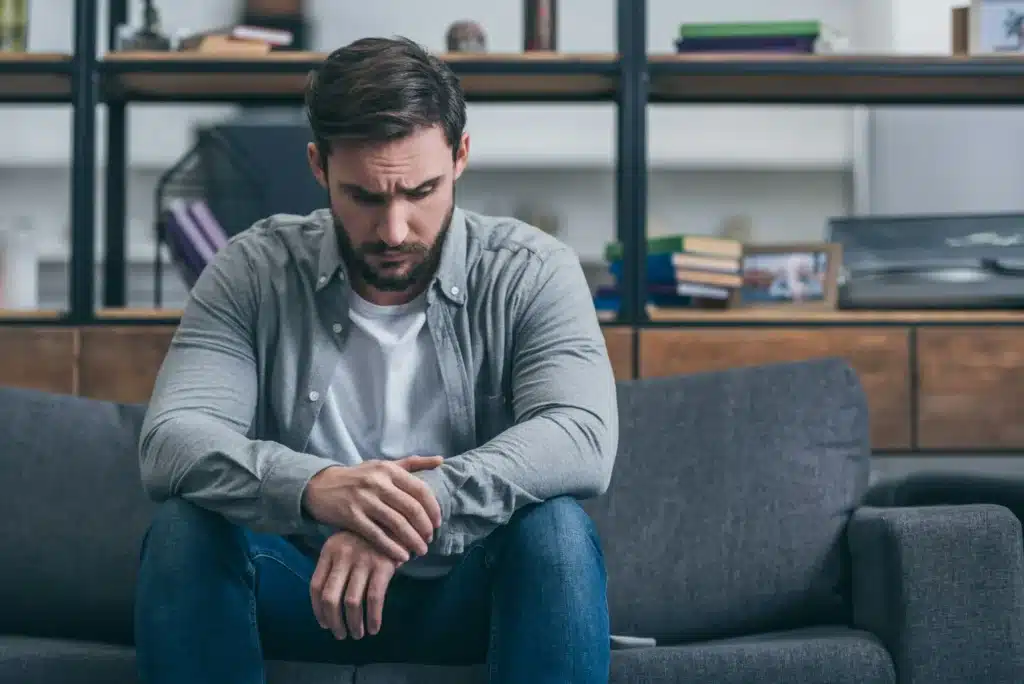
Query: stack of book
(682, 272)
(797, 37)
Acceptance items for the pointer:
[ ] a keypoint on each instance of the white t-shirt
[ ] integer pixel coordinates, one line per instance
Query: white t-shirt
(386, 399)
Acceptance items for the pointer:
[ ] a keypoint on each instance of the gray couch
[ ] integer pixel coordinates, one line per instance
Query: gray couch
(733, 530)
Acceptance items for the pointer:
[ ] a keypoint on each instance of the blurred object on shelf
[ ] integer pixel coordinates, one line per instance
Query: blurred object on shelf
(147, 37)
(683, 272)
(540, 25)
(242, 39)
(995, 27)
(941, 262)
(799, 37)
(191, 207)
(269, 8)
(19, 264)
(466, 36)
(546, 220)
(13, 25)
(739, 228)
(961, 26)
(790, 276)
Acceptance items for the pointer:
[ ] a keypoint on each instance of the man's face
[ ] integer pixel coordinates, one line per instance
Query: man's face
(391, 204)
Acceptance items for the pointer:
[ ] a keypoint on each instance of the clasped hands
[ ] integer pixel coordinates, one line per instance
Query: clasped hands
(385, 515)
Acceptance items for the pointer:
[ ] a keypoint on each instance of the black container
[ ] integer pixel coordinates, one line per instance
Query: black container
(540, 25)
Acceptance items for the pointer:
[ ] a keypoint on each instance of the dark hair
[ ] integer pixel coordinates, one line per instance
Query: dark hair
(383, 89)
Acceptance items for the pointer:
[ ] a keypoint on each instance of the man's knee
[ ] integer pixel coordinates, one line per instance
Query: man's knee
(555, 533)
(182, 534)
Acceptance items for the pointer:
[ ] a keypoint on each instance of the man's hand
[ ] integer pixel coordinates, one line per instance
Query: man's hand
(381, 501)
(350, 574)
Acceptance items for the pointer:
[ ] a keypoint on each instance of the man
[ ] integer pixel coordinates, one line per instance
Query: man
(372, 427)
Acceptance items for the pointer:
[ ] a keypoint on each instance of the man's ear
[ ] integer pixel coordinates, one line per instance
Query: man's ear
(317, 164)
(462, 155)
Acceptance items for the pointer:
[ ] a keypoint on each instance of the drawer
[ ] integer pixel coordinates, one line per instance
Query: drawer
(881, 357)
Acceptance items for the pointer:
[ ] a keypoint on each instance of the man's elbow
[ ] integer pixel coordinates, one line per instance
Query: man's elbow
(600, 444)
(154, 472)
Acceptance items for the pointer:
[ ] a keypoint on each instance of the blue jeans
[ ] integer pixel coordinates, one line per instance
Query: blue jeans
(213, 601)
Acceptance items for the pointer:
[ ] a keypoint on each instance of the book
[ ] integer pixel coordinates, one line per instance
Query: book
(805, 45)
(724, 280)
(693, 244)
(663, 268)
(750, 29)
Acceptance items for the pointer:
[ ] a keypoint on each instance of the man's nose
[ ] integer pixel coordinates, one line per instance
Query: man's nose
(393, 229)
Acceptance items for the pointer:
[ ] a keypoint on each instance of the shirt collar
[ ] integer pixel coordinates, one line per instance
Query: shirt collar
(451, 271)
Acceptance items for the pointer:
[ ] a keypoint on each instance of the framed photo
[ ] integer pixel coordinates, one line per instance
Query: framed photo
(790, 275)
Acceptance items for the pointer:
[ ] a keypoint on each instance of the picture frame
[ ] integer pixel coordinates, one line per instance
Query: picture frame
(793, 275)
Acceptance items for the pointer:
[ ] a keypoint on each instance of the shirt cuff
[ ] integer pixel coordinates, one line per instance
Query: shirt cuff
(283, 487)
(442, 491)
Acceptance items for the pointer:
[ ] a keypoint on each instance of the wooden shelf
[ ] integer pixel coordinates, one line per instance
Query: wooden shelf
(767, 316)
(30, 315)
(125, 314)
(836, 79)
(35, 77)
(194, 76)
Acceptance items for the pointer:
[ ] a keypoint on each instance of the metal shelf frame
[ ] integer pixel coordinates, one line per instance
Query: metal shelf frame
(638, 79)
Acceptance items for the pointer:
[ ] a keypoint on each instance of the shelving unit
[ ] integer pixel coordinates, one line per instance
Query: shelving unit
(631, 79)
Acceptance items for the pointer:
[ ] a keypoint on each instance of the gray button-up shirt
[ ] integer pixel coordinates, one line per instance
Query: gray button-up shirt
(530, 389)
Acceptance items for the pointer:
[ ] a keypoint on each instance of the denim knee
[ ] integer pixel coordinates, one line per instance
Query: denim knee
(554, 533)
(184, 538)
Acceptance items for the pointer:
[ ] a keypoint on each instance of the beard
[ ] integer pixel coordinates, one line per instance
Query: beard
(422, 258)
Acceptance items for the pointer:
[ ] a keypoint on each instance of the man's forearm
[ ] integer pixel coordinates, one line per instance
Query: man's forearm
(258, 484)
(558, 452)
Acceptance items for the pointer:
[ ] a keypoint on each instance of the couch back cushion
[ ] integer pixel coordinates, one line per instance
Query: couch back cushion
(73, 515)
(729, 500)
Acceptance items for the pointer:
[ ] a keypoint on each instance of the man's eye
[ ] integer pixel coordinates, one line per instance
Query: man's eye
(419, 194)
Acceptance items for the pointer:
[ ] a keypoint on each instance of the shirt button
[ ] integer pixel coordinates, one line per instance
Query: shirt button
(314, 395)
(336, 327)
(323, 279)
(455, 290)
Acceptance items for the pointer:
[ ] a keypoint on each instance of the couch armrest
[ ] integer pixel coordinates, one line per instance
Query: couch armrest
(943, 588)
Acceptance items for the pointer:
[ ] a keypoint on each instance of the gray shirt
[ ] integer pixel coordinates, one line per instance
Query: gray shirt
(531, 396)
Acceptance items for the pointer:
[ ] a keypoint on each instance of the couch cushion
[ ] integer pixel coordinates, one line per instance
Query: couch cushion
(729, 500)
(74, 515)
(52, 661)
(825, 656)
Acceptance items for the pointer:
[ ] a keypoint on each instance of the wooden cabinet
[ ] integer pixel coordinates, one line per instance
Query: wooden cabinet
(120, 363)
(619, 340)
(970, 388)
(39, 358)
(932, 383)
(881, 357)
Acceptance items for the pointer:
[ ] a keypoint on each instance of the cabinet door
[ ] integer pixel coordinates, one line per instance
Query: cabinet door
(971, 388)
(880, 356)
(620, 350)
(120, 363)
(39, 358)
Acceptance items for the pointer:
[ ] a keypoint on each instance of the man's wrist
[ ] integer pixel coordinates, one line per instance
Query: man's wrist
(438, 484)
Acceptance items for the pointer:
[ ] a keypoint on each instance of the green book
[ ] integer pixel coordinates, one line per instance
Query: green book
(750, 29)
(693, 244)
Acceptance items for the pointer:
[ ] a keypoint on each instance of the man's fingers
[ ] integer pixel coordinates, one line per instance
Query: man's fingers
(414, 463)
(375, 591)
(316, 589)
(418, 490)
(373, 533)
(355, 593)
(332, 598)
(411, 509)
(401, 530)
